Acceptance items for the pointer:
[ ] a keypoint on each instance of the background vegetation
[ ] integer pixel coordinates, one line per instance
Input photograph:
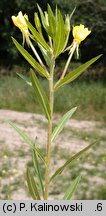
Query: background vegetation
(89, 96)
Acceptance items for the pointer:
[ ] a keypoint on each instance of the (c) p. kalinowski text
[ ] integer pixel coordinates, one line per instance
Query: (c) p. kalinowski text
(48, 207)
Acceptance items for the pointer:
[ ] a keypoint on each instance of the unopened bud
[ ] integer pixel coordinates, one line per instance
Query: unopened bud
(67, 23)
(46, 18)
(37, 22)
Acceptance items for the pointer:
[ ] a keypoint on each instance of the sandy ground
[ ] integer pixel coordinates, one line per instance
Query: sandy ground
(34, 125)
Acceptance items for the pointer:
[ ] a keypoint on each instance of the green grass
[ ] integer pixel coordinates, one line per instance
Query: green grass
(90, 98)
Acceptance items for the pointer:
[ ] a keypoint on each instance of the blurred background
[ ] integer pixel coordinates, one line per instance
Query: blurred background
(88, 93)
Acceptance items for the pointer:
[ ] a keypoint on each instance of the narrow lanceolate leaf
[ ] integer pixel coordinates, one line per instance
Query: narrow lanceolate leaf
(60, 38)
(52, 22)
(72, 188)
(41, 95)
(37, 171)
(27, 140)
(74, 74)
(62, 122)
(46, 55)
(31, 60)
(37, 22)
(38, 37)
(43, 19)
(32, 186)
(70, 160)
(25, 79)
(72, 13)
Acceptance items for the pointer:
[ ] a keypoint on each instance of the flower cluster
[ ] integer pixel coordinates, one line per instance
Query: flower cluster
(79, 32)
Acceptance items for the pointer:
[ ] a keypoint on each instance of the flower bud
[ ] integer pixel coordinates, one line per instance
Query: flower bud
(37, 22)
(46, 18)
(67, 23)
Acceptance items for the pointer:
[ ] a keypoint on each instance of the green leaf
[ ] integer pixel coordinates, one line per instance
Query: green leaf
(43, 19)
(72, 188)
(62, 122)
(70, 160)
(37, 22)
(25, 79)
(41, 95)
(52, 22)
(46, 55)
(27, 140)
(37, 171)
(72, 13)
(74, 74)
(31, 60)
(67, 26)
(60, 39)
(38, 37)
(32, 186)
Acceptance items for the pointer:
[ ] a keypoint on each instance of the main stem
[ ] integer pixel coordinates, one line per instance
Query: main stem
(50, 122)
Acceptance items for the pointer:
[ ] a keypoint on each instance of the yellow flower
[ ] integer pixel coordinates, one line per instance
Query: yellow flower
(20, 22)
(80, 33)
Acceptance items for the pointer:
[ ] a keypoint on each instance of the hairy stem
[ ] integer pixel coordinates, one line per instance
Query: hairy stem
(48, 154)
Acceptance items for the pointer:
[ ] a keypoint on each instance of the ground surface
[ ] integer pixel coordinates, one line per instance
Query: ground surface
(15, 154)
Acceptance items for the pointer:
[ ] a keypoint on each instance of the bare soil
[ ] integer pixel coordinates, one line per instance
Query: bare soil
(34, 125)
